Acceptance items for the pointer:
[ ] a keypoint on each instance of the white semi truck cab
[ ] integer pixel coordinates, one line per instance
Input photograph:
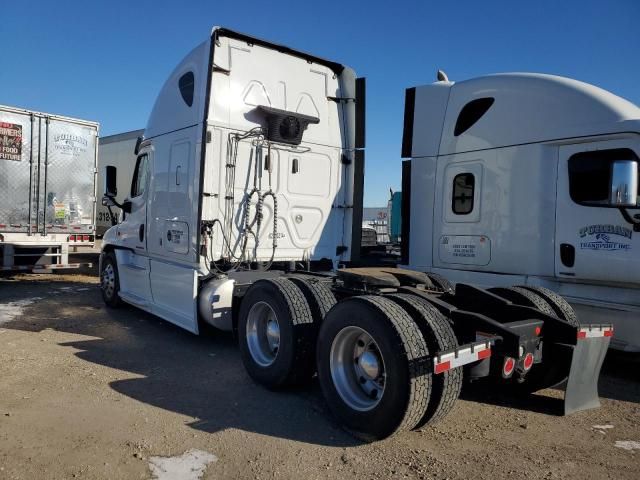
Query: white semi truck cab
(527, 179)
(245, 206)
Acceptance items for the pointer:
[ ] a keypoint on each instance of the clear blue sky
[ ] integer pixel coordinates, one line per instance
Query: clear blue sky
(106, 60)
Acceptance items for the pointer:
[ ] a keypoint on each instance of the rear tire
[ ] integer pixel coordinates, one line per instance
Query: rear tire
(440, 337)
(441, 283)
(276, 334)
(549, 373)
(524, 297)
(560, 306)
(318, 294)
(371, 367)
(110, 281)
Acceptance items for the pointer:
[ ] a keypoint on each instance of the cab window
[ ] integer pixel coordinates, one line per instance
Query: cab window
(590, 174)
(140, 176)
(463, 192)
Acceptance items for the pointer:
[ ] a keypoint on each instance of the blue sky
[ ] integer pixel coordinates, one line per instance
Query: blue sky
(106, 61)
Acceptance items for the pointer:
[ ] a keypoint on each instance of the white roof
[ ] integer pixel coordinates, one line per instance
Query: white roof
(528, 108)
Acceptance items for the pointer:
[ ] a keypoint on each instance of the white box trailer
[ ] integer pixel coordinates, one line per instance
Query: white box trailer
(115, 150)
(47, 188)
(245, 204)
(530, 180)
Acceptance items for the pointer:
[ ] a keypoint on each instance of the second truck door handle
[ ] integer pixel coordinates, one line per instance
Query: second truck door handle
(141, 233)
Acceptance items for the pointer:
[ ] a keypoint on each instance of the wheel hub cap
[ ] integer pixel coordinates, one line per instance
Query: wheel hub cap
(108, 280)
(273, 334)
(357, 368)
(368, 363)
(263, 334)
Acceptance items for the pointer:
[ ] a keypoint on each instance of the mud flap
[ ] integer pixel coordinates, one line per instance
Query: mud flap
(581, 390)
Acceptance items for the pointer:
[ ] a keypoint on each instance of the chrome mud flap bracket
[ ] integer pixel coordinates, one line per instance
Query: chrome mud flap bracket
(581, 388)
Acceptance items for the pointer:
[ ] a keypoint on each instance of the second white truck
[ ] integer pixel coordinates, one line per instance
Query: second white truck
(529, 180)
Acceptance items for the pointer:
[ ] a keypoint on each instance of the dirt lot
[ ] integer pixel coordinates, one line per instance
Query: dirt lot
(88, 392)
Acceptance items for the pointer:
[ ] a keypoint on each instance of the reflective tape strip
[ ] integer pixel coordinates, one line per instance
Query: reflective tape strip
(595, 332)
(461, 356)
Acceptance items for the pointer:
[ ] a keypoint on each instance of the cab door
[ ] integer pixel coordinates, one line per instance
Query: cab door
(133, 259)
(594, 242)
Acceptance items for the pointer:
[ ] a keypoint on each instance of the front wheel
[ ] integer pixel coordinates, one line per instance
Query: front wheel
(109, 281)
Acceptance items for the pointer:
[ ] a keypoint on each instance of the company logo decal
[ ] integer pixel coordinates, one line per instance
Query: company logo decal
(68, 144)
(605, 237)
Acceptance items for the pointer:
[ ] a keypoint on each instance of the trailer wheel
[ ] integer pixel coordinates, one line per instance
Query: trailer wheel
(560, 306)
(522, 296)
(109, 281)
(276, 333)
(318, 294)
(439, 336)
(370, 367)
(441, 283)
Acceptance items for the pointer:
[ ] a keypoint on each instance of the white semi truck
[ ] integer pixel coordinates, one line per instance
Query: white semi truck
(47, 189)
(115, 150)
(246, 204)
(529, 180)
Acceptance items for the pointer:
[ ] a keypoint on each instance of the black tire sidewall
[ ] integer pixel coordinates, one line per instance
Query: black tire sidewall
(114, 301)
(387, 415)
(277, 374)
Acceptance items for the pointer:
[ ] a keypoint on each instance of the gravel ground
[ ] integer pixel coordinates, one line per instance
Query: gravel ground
(89, 392)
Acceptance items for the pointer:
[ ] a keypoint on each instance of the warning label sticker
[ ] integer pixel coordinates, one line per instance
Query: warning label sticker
(10, 141)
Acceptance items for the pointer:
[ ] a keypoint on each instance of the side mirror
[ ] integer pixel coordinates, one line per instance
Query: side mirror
(126, 206)
(624, 184)
(110, 181)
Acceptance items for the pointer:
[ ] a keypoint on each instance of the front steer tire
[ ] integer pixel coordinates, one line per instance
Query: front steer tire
(110, 281)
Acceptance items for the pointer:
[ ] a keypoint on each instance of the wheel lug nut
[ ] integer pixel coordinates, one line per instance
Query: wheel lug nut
(362, 380)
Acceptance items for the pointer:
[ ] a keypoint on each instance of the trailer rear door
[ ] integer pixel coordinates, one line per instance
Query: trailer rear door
(47, 173)
(18, 168)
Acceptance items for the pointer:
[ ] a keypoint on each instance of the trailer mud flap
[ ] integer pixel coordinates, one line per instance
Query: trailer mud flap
(581, 390)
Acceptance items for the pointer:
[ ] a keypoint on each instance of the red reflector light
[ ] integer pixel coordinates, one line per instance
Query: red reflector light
(608, 333)
(528, 361)
(85, 238)
(538, 330)
(508, 366)
(442, 367)
(582, 334)
(486, 353)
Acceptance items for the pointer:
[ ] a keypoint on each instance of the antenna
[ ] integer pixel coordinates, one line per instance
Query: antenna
(442, 77)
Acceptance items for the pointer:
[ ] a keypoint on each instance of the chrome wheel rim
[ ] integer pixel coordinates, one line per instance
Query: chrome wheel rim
(263, 334)
(108, 280)
(357, 368)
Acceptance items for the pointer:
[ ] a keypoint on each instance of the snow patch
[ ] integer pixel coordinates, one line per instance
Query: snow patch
(11, 310)
(601, 428)
(188, 466)
(628, 444)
